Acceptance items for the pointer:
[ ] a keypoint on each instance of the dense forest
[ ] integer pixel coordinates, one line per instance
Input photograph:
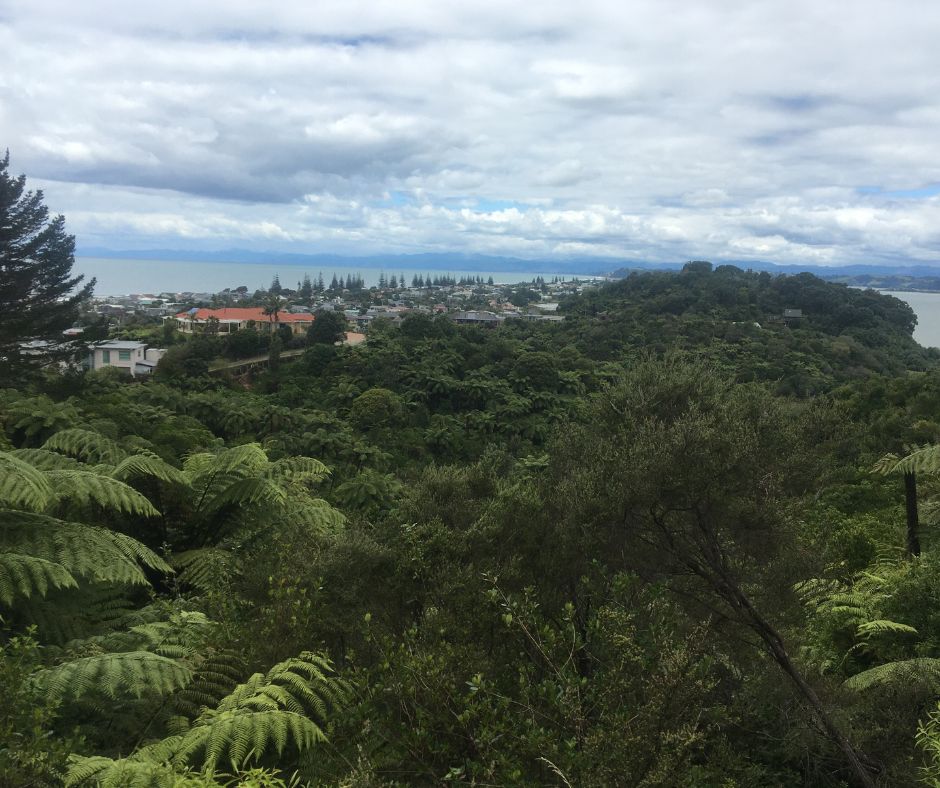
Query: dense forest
(682, 538)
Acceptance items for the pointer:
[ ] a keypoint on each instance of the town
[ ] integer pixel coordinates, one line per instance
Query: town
(140, 326)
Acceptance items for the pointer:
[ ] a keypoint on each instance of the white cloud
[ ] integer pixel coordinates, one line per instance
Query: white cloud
(656, 129)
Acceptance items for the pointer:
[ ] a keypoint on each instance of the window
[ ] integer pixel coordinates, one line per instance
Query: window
(124, 355)
(106, 356)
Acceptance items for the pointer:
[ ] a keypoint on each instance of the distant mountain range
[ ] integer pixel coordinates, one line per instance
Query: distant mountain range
(585, 266)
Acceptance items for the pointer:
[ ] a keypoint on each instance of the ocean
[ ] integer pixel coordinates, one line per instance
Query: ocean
(122, 277)
(927, 308)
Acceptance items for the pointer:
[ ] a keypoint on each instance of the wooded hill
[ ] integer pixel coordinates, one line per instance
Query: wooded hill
(652, 545)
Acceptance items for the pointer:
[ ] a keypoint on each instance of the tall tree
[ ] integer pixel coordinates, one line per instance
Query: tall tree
(39, 297)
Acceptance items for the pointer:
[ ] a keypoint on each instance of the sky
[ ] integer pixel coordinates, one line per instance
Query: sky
(790, 132)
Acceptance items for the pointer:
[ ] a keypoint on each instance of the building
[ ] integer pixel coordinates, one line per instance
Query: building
(233, 318)
(134, 358)
(478, 318)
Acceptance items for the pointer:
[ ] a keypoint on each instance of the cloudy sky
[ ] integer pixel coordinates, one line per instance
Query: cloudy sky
(795, 131)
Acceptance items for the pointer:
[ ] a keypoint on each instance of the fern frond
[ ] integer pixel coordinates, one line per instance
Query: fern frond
(26, 575)
(46, 460)
(214, 678)
(234, 737)
(202, 568)
(883, 625)
(923, 460)
(83, 550)
(886, 465)
(921, 670)
(314, 513)
(22, 485)
(85, 445)
(296, 469)
(143, 465)
(86, 487)
(248, 491)
(123, 773)
(115, 675)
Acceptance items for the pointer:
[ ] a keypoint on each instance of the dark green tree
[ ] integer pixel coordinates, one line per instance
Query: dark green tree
(275, 285)
(39, 297)
(328, 328)
(306, 288)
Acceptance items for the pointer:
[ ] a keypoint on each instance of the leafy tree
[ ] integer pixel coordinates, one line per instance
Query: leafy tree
(692, 473)
(38, 296)
(328, 328)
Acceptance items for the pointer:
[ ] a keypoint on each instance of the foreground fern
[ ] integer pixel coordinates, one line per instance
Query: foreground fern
(285, 706)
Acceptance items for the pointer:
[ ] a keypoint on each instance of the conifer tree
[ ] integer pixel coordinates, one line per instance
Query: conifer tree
(275, 285)
(306, 288)
(39, 297)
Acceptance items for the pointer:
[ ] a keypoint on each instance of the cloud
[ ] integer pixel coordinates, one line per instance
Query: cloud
(662, 130)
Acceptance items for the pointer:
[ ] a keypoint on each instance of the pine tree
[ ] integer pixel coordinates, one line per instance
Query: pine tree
(320, 285)
(38, 296)
(393, 282)
(275, 285)
(306, 288)
(334, 283)
(383, 283)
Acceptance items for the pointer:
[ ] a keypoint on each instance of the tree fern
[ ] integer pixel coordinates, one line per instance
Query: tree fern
(46, 460)
(216, 675)
(22, 485)
(202, 568)
(926, 459)
(82, 550)
(84, 487)
(919, 670)
(124, 773)
(148, 466)
(26, 575)
(85, 445)
(116, 675)
(267, 712)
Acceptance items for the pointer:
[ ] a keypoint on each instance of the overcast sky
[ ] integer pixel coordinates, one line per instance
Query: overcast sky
(792, 131)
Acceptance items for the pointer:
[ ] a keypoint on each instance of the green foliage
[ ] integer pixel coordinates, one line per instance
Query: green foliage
(114, 675)
(265, 713)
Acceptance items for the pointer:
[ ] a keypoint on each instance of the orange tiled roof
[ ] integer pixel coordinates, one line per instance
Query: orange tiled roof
(255, 313)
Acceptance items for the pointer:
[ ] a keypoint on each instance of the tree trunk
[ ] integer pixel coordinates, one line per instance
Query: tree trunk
(775, 645)
(910, 499)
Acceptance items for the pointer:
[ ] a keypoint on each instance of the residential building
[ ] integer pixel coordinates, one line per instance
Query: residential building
(134, 358)
(232, 319)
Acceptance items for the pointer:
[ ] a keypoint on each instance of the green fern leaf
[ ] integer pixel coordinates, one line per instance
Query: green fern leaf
(115, 675)
(85, 445)
(882, 625)
(86, 487)
(26, 575)
(83, 550)
(124, 773)
(146, 466)
(46, 460)
(22, 485)
(921, 670)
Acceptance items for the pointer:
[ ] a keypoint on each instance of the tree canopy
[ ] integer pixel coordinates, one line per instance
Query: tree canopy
(39, 296)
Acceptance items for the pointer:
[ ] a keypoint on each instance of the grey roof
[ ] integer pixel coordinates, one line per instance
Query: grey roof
(120, 345)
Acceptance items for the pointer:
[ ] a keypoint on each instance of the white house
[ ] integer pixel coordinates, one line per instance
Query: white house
(133, 357)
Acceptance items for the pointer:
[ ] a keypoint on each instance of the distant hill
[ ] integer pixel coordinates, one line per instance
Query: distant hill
(800, 333)
(886, 277)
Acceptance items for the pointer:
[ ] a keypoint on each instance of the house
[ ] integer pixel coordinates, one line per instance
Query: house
(133, 357)
(232, 319)
(480, 318)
